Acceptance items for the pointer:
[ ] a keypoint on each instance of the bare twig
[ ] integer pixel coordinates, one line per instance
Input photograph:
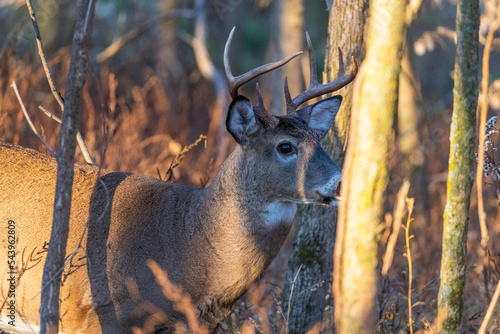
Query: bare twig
(50, 115)
(399, 211)
(483, 100)
(79, 138)
(132, 34)
(50, 80)
(489, 312)
(178, 158)
(29, 119)
(41, 52)
(90, 12)
(410, 202)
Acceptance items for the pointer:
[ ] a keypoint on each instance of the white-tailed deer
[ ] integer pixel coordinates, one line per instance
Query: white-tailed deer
(212, 242)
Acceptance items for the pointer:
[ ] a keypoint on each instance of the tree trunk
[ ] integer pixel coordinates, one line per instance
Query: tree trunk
(460, 170)
(366, 167)
(409, 113)
(290, 36)
(315, 239)
(49, 309)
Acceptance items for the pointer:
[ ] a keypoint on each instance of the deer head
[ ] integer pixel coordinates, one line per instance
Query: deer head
(288, 147)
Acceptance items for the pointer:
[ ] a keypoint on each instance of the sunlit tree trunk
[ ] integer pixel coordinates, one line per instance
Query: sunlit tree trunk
(315, 238)
(371, 141)
(409, 116)
(460, 170)
(409, 113)
(290, 36)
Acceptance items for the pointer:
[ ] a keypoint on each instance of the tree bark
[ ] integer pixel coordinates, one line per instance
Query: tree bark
(315, 238)
(460, 170)
(49, 309)
(366, 173)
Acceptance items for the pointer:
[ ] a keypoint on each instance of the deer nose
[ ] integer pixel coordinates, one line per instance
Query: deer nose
(337, 191)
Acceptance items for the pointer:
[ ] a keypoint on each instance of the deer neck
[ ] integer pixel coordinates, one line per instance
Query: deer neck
(235, 190)
(238, 220)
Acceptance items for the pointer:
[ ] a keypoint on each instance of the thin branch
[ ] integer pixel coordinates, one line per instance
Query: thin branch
(50, 80)
(483, 100)
(90, 12)
(41, 52)
(29, 119)
(489, 312)
(79, 138)
(134, 33)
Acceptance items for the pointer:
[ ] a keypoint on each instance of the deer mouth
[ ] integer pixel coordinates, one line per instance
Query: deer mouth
(330, 201)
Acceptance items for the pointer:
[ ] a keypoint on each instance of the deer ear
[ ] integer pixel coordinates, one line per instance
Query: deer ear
(320, 115)
(241, 121)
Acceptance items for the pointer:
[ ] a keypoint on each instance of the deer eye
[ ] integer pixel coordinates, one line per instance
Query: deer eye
(286, 148)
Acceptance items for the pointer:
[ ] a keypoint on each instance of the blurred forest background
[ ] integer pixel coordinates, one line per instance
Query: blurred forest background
(156, 86)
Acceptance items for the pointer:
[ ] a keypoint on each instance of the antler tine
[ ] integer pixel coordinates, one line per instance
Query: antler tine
(290, 109)
(341, 62)
(263, 115)
(316, 89)
(260, 101)
(313, 74)
(227, 66)
(234, 83)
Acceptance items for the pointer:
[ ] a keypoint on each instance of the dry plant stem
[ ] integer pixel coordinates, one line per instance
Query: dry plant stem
(79, 138)
(290, 299)
(41, 52)
(29, 119)
(178, 158)
(489, 312)
(182, 302)
(409, 201)
(483, 101)
(399, 211)
(49, 307)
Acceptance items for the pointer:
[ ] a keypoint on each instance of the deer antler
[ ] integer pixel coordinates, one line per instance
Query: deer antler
(234, 83)
(263, 115)
(316, 89)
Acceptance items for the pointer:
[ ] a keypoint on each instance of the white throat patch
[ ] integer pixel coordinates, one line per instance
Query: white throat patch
(279, 212)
